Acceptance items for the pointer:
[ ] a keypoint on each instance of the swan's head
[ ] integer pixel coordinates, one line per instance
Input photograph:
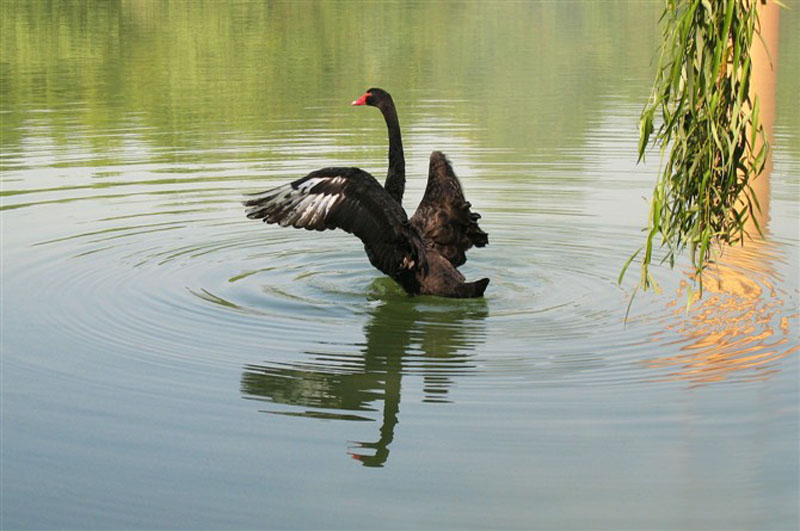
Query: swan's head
(374, 97)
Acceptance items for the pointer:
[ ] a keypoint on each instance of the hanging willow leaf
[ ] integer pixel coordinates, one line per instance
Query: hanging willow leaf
(702, 198)
(645, 129)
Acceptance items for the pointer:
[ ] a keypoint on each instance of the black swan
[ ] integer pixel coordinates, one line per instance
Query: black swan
(421, 254)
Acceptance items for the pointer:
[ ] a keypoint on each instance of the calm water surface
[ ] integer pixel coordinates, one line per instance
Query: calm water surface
(167, 363)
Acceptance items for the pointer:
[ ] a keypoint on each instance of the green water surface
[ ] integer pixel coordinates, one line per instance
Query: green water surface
(167, 363)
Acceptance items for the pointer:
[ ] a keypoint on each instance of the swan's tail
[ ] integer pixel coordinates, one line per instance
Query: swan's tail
(471, 290)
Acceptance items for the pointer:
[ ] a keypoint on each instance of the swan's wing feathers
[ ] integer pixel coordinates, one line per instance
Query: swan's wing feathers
(349, 199)
(305, 203)
(443, 217)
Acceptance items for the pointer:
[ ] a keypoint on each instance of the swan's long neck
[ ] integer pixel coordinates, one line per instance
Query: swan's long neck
(396, 175)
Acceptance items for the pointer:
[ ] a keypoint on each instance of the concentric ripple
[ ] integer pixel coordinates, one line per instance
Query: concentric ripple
(168, 272)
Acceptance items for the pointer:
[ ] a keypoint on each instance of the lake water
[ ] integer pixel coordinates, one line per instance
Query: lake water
(167, 363)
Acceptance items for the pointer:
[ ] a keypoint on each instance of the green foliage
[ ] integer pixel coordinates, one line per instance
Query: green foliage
(710, 152)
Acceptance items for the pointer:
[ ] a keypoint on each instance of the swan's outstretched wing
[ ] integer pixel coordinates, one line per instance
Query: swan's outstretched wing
(352, 200)
(443, 217)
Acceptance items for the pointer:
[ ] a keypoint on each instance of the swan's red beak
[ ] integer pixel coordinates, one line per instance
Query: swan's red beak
(363, 99)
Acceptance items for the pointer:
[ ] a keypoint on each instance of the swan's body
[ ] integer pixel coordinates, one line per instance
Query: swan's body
(422, 253)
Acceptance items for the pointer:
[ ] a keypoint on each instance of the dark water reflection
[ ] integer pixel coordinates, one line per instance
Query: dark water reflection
(401, 337)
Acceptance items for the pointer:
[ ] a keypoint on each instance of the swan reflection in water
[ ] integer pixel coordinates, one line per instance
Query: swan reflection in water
(411, 336)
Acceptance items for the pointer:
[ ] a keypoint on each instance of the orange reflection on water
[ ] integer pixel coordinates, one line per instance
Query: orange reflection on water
(738, 326)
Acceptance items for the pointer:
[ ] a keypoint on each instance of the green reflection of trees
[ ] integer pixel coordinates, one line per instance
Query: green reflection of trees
(788, 82)
(402, 338)
(524, 73)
